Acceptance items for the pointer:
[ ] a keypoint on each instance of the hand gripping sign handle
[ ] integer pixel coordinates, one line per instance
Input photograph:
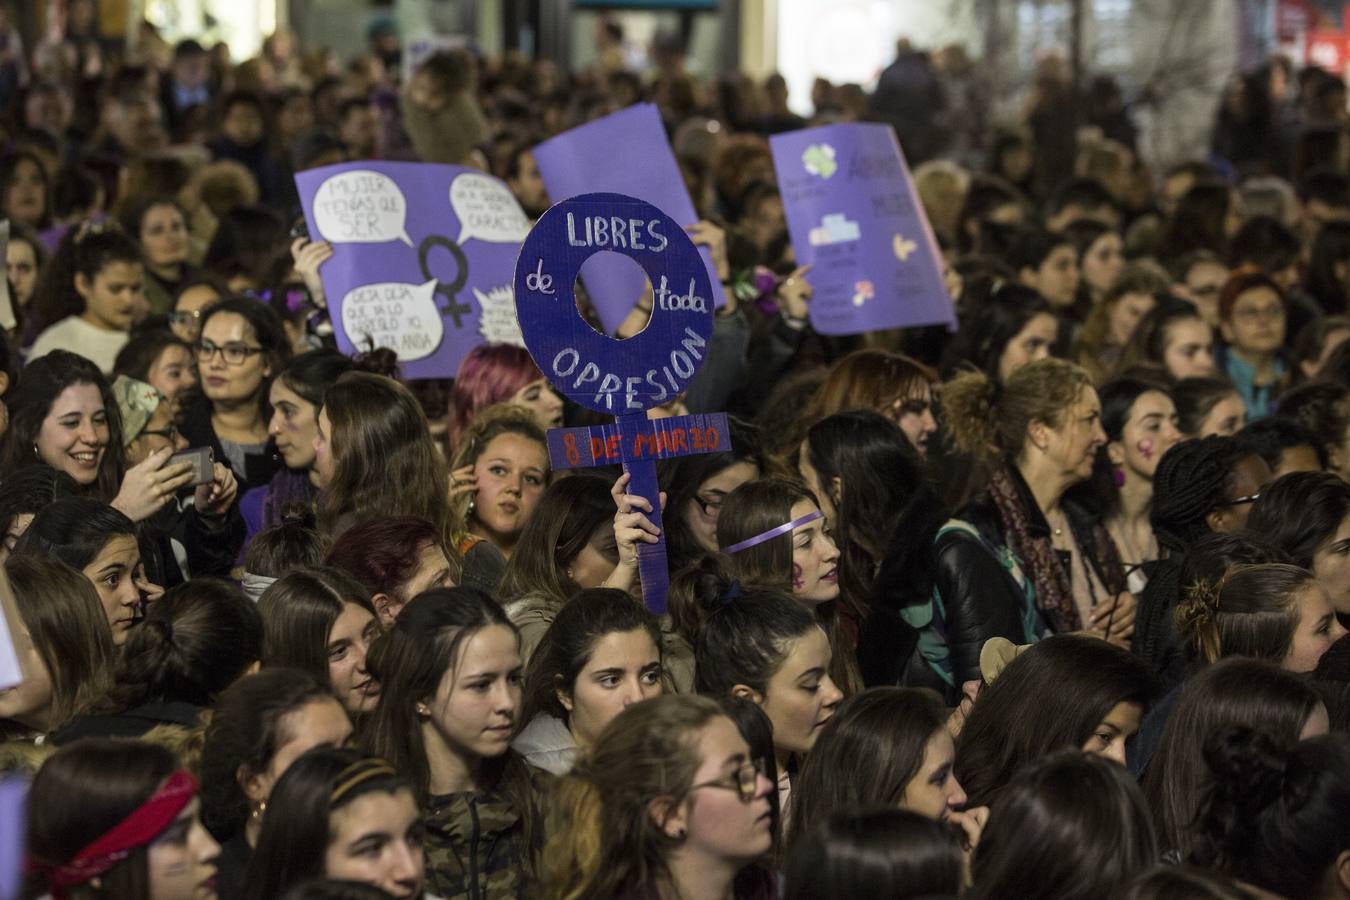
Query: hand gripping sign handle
(652, 564)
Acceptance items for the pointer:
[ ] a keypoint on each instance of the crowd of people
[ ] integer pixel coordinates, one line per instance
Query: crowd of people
(1052, 605)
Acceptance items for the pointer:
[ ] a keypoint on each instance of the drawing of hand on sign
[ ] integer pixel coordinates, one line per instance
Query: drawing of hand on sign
(361, 207)
(487, 210)
(402, 317)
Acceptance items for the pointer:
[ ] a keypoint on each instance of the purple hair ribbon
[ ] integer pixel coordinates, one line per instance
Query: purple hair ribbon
(773, 532)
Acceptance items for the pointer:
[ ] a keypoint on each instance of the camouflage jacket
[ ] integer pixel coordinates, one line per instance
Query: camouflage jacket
(474, 847)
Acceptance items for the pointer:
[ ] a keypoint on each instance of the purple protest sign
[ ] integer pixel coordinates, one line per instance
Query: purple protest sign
(423, 258)
(623, 153)
(623, 377)
(854, 215)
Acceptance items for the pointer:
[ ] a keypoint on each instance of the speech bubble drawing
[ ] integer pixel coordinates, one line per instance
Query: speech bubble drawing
(393, 314)
(497, 316)
(361, 207)
(487, 210)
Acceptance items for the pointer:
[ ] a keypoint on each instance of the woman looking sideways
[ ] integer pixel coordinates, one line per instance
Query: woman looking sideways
(1307, 515)
(668, 803)
(374, 456)
(885, 747)
(117, 818)
(765, 647)
(601, 655)
(64, 647)
(1140, 421)
(321, 621)
(1018, 561)
(295, 397)
(1068, 691)
(1175, 337)
(500, 373)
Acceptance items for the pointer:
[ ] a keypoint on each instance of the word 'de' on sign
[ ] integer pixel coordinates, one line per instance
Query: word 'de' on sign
(621, 377)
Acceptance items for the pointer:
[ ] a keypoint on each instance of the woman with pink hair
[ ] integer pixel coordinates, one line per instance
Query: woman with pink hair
(500, 373)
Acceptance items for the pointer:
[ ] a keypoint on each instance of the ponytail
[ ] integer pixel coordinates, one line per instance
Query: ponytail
(969, 403)
(987, 417)
(196, 640)
(1249, 611)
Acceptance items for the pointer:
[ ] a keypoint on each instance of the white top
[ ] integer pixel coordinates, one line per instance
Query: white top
(78, 336)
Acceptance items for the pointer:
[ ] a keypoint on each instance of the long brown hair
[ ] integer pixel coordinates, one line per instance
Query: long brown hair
(866, 754)
(385, 462)
(82, 792)
(1251, 611)
(603, 840)
(68, 627)
(1234, 691)
(409, 661)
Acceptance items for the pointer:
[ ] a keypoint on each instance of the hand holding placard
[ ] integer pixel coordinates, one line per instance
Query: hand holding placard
(625, 377)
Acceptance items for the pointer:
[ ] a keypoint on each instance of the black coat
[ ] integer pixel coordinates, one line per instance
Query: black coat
(981, 596)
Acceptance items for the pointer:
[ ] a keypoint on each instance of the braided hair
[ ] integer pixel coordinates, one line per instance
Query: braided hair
(1190, 479)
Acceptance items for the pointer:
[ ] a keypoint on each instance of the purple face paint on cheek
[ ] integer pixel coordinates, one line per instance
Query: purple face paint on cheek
(797, 580)
(1145, 448)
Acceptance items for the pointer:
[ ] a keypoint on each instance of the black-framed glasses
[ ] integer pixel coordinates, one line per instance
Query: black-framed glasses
(1238, 501)
(744, 780)
(234, 354)
(711, 506)
(185, 316)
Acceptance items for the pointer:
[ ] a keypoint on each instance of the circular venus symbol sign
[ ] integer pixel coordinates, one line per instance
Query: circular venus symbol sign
(620, 377)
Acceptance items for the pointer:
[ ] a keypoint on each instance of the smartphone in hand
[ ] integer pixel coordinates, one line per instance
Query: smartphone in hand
(203, 464)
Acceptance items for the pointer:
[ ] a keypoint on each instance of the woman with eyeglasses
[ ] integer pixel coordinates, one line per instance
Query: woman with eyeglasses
(668, 803)
(242, 347)
(696, 486)
(193, 297)
(1252, 321)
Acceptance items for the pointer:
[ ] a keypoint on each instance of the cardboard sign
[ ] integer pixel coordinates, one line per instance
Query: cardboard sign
(854, 215)
(423, 259)
(624, 153)
(622, 377)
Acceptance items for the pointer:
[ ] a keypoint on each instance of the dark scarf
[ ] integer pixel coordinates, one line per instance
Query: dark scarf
(1028, 535)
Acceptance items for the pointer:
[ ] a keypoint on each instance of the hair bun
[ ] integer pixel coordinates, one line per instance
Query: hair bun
(1248, 766)
(378, 361)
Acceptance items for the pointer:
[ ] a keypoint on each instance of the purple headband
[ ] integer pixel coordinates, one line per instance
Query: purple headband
(774, 532)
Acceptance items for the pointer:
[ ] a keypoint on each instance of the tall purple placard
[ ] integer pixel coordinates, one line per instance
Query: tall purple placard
(623, 153)
(854, 215)
(624, 378)
(424, 257)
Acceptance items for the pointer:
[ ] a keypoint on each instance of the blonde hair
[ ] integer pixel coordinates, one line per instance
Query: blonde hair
(603, 841)
(988, 419)
(489, 424)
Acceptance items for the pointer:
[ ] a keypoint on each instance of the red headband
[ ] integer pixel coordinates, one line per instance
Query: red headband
(145, 823)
